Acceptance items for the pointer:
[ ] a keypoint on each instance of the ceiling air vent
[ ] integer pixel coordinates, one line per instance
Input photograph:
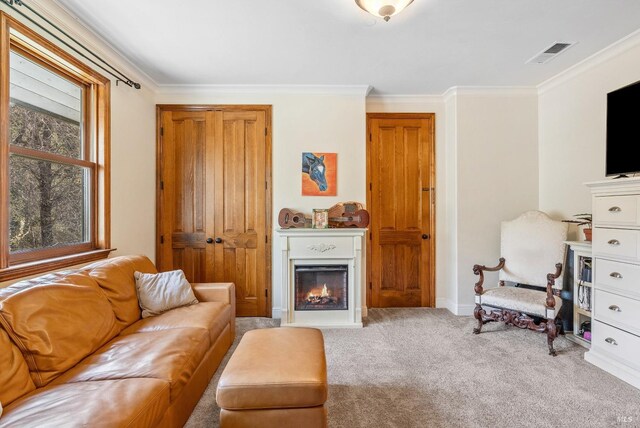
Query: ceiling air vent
(550, 53)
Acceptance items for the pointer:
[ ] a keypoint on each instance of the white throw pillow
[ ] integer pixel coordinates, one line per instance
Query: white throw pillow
(159, 292)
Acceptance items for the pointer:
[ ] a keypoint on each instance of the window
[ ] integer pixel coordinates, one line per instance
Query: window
(53, 157)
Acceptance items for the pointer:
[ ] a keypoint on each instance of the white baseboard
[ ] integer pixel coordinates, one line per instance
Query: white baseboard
(464, 310)
(276, 313)
(444, 303)
(460, 310)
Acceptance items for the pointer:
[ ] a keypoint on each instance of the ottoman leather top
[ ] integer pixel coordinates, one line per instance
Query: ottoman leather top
(275, 368)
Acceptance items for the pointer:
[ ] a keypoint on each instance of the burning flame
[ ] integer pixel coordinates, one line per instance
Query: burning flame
(323, 293)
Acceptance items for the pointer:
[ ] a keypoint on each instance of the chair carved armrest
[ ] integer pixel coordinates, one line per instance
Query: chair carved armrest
(551, 281)
(479, 270)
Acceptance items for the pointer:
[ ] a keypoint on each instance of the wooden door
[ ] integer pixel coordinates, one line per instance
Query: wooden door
(401, 200)
(214, 198)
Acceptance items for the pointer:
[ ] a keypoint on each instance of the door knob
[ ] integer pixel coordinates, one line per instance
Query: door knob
(425, 236)
(218, 240)
(209, 240)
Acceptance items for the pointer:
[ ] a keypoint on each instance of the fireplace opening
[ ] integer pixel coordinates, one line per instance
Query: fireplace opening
(321, 288)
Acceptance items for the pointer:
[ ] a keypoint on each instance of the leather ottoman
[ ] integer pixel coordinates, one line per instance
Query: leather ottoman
(277, 377)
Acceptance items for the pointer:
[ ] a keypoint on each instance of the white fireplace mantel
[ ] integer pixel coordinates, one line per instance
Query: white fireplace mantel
(322, 246)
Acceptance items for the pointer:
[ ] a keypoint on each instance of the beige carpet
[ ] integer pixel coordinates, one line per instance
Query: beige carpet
(424, 368)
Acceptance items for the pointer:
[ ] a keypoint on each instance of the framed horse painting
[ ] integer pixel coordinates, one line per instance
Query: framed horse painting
(319, 174)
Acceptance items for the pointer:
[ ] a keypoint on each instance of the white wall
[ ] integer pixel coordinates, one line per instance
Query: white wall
(302, 121)
(497, 175)
(450, 297)
(572, 126)
(133, 171)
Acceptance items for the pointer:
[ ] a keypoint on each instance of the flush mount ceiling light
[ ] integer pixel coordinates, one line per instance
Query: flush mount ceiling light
(384, 9)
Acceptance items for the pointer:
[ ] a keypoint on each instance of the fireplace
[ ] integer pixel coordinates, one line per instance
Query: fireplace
(321, 275)
(321, 288)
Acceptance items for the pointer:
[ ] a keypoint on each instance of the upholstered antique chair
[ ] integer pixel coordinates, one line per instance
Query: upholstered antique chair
(532, 250)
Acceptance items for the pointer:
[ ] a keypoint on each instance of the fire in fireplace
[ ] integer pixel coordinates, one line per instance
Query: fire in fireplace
(321, 287)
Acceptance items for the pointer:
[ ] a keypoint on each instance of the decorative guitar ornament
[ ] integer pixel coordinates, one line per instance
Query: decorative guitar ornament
(359, 218)
(288, 219)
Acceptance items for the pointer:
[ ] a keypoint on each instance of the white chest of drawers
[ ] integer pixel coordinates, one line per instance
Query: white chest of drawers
(615, 329)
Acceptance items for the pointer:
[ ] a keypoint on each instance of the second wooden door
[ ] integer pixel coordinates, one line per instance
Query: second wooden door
(401, 203)
(214, 198)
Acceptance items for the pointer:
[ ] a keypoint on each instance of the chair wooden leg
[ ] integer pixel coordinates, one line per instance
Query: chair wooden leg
(477, 313)
(552, 332)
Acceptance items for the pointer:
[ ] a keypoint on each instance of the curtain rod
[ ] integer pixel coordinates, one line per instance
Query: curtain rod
(104, 65)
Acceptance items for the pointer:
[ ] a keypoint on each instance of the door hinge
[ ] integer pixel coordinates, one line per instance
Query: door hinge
(266, 239)
(370, 236)
(370, 136)
(370, 286)
(162, 239)
(162, 131)
(162, 185)
(266, 292)
(266, 186)
(370, 186)
(265, 132)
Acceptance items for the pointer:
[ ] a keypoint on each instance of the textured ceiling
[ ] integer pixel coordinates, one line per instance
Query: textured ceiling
(428, 48)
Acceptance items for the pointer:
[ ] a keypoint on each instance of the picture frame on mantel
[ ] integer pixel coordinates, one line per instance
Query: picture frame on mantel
(320, 218)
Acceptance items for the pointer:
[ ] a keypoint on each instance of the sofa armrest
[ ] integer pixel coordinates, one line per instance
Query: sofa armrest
(223, 292)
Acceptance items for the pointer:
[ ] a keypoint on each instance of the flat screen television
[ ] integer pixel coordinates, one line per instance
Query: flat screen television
(623, 130)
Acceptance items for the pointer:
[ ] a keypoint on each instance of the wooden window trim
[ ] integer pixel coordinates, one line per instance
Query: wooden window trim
(33, 268)
(50, 157)
(95, 126)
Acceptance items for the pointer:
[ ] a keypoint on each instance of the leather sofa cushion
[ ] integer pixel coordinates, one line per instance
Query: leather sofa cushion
(210, 316)
(115, 277)
(56, 325)
(169, 355)
(14, 373)
(275, 368)
(111, 403)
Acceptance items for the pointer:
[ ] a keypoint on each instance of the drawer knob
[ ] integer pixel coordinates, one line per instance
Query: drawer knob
(611, 341)
(615, 209)
(613, 242)
(615, 275)
(615, 308)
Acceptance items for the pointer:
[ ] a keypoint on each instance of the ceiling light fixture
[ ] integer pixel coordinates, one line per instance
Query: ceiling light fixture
(384, 9)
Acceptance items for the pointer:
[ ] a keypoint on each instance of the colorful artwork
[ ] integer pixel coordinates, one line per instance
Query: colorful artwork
(319, 174)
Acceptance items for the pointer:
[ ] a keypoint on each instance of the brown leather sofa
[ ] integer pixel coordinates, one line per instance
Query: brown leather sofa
(75, 352)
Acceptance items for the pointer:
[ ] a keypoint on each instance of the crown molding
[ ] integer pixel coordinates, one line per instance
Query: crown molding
(71, 24)
(405, 99)
(491, 91)
(357, 90)
(613, 50)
